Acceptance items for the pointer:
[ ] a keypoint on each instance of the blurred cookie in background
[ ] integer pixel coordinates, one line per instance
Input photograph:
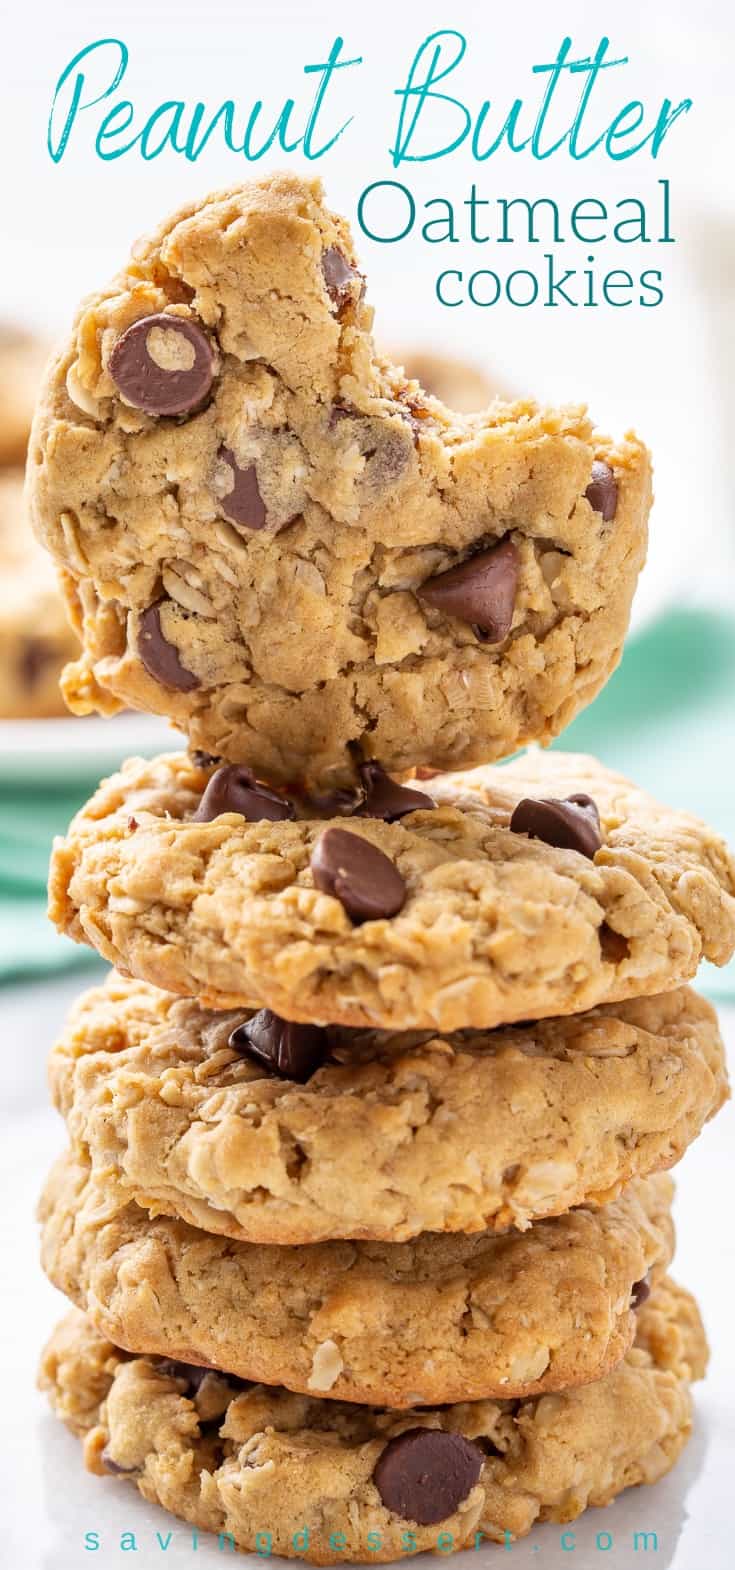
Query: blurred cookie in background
(22, 358)
(35, 637)
(456, 382)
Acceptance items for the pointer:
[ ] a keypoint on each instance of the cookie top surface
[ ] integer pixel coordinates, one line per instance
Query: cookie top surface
(257, 514)
(445, 1318)
(454, 917)
(248, 1459)
(36, 639)
(391, 1136)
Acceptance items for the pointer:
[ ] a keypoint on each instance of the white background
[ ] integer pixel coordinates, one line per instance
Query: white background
(665, 371)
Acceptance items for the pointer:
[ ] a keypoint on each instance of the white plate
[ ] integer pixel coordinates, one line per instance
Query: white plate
(70, 749)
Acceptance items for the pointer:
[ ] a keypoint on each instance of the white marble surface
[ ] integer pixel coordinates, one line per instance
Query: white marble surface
(49, 1502)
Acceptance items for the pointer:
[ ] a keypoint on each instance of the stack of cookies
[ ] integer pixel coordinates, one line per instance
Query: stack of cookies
(366, 1214)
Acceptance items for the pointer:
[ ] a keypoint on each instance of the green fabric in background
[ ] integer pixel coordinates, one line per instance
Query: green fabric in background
(30, 816)
(666, 718)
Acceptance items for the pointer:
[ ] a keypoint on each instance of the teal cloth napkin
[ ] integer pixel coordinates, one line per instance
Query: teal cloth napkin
(666, 718)
(30, 816)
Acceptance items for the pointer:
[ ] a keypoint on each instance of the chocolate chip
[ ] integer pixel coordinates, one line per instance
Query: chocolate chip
(133, 825)
(640, 1293)
(365, 881)
(243, 505)
(193, 1376)
(425, 1473)
(149, 386)
(602, 491)
(570, 824)
(481, 591)
(114, 1467)
(338, 274)
(340, 411)
(386, 447)
(414, 427)
(205, 760)
(614, 947)
(161, 658)
(415, 417)
(192, 1373)
(235, 789)
(335, 803)
(387, 461)
(387, 800)
(290, 1050)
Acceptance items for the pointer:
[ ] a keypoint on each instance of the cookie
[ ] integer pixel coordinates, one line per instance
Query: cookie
(35, 637)
(445, 1318)
(281, 544)
(265, 1465)
(392, 1135)
(453, 381)
(22, 359)
(545, 886)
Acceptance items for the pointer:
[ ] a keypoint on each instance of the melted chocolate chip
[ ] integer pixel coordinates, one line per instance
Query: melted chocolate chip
(149, 386)
(425, 1473)
(570, 824)
(387, 447)
(613, 946)
(387, 800)
(413, 423)
(340, 411)
(602, 491)
(335, 803)
(640, 1293)
(339, 275)
(481, 591)
(243, 505)
(287, 1049)
(192, 1373)
(235, 789)
(205, 760)
(389, 460)
(365, 881)
(161, 658)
